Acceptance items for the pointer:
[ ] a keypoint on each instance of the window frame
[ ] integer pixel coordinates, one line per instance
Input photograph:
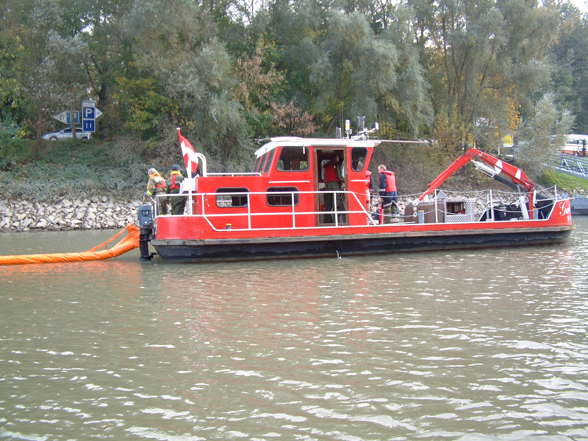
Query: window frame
(363, 158)
(306, 152)
(268, 162)
(286, 196)
(226, 193)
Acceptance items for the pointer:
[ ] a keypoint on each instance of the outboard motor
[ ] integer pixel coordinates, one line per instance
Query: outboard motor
(145, 219)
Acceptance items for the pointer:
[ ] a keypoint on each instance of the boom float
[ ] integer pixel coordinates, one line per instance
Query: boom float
(99, 252)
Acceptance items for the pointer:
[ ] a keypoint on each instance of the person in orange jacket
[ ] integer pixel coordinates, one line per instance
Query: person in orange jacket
(156, 185)
(387, 187)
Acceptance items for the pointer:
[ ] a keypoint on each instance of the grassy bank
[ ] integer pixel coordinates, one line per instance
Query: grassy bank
(70, 168)
(569, 183)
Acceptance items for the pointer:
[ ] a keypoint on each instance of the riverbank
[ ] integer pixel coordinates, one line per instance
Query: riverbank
(92, 213)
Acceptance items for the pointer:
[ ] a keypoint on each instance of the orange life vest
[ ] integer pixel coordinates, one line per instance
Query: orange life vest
(173, 185)
(390, 180)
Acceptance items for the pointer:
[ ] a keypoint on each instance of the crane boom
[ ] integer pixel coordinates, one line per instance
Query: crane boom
(494, 167)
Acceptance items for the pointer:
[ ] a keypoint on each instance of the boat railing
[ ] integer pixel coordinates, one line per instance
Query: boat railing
(479, 206)
(234, 174)
(336, 213)
(510, 205)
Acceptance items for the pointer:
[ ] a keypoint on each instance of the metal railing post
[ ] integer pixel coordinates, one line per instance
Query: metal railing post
(202, 203)
(491, 207)
(436, 209)
(190, 205)
(293, 210)
(335, 205)
(249, 211)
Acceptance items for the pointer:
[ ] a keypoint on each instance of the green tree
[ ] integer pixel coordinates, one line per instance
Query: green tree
(484, 59)
(339, 63)
(570, 66)
(143, 108)
(45, 73)
(541, 135)
(103, 27)
(176, 43)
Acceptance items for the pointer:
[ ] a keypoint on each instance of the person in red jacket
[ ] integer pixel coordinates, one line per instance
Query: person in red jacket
(333, 179)
(387, 187)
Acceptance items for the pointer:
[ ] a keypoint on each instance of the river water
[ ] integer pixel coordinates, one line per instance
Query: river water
(462, 345)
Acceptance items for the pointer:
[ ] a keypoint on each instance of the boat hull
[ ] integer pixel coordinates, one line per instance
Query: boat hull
(209, 250)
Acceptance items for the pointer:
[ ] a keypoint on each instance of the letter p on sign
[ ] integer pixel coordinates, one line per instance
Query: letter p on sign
(89, 112)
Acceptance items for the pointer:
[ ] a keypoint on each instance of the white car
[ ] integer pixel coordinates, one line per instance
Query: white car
(67, 134)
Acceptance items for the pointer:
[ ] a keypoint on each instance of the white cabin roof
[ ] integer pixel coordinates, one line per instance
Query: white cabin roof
(292, 141)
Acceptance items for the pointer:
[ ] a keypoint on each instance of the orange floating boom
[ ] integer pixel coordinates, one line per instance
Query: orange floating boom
(127, 243)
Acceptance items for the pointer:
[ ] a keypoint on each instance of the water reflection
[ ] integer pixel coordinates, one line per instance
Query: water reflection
(462, 345)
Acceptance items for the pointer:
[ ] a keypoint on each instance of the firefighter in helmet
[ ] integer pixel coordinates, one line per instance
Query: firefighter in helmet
(156, 187)
(175, 179)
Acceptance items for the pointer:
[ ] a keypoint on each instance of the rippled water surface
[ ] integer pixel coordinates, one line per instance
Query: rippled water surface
(467, 345)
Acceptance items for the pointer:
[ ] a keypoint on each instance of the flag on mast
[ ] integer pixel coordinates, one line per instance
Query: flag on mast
(189, 154)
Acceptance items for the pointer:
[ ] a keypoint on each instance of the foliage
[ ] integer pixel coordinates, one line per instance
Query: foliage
(13, 150)
(226, 72)
(484, 59)
(145, 109)
(535, 135)
(293, 120)
(569, 81)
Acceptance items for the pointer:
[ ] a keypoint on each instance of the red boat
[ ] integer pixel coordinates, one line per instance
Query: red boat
(284, 209)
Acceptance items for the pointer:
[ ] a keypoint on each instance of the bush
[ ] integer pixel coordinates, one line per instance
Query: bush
(13, 151)
(73, 169)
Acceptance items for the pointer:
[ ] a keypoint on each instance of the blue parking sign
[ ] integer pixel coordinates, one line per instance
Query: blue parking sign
(89, 125)
(89, 113)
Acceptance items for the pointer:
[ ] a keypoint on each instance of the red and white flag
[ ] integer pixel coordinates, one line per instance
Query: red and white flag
(189, 154)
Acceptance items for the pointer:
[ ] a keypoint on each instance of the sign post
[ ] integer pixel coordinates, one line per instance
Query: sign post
(89, 116)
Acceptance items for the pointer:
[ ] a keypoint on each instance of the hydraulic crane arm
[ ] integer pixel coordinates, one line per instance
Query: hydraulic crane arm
(494, 167)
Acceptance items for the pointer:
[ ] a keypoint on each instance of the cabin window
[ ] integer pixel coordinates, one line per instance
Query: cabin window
(268, 162)
(358, 155)
(258, 163)
(232, 198)
(283, 196)
(293, 159)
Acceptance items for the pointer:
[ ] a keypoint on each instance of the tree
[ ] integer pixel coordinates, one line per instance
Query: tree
(46, 72)
(570, 66)
(484, 59)
(541, 135)
(176, 43)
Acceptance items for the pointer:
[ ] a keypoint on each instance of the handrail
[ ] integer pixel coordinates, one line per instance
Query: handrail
(491, 203)
(249, 214)
(235, 174)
